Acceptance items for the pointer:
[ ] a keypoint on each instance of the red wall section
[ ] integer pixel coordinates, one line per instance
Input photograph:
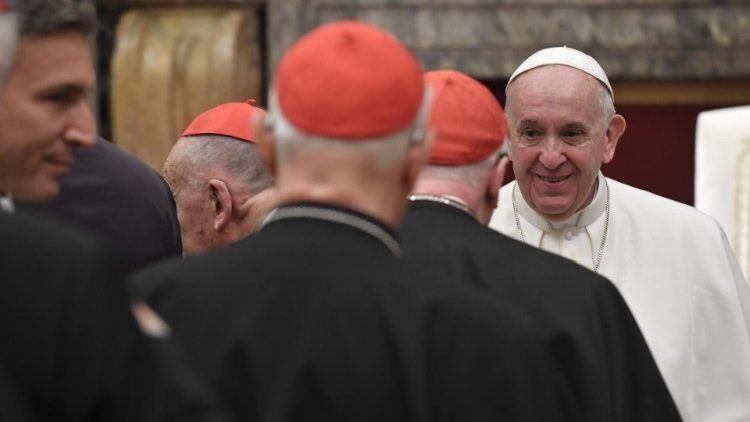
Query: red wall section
(657, 151)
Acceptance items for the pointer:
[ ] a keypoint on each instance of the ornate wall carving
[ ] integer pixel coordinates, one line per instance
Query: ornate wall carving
(633, 39)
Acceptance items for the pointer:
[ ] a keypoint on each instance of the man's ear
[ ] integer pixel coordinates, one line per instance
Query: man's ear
(614, 132)
(264, 141)
(495, 182)
(417, 157)
(221, 204)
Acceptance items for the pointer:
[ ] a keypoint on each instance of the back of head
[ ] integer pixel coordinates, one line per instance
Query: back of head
(221, 139)
(470, 127)
(350, 83)
(468, 119)
(349, 80)
(218, 179)
(347, 104)
(39, 17)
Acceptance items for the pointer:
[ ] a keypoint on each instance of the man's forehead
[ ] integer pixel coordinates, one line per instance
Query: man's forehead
(54, 63)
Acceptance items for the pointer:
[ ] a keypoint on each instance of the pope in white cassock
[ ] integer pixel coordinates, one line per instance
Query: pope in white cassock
(672, 263)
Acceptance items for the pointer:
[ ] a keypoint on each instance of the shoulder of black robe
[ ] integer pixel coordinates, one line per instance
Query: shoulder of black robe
(586, 321)
(116, 196)
(13, 406)
(313, 320)
(70, 342)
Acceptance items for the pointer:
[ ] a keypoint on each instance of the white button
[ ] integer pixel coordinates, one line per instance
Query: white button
(568, 235)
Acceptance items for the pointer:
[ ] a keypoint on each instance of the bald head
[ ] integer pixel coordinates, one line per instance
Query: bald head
(221, 189)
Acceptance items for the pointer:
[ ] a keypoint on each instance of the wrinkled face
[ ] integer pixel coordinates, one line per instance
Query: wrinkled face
(44, 115)
(559, 139)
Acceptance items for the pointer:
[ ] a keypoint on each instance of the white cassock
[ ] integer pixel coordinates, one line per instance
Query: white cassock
(675, 269)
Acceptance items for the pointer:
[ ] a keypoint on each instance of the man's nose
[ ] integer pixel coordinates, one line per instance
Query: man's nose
(552, 155)
(81, 129)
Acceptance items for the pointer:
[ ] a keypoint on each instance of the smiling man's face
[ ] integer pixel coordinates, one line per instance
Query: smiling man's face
(44, 115)
(559, 138)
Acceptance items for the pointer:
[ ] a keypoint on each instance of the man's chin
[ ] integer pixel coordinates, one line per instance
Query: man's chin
(554, 210)
(41, 191)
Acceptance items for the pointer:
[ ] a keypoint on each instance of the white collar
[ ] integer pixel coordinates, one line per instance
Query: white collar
(580, 219)
(6, 203)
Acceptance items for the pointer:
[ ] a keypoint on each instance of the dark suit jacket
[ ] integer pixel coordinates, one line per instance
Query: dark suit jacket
(121, 199)
(70, 346)
(584, 317)
(314, 320)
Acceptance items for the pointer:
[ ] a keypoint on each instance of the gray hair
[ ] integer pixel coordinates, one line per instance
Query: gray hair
(238, 159)
(385, 152)
(605, 100)
(8, 39)
(471, 175)
(38, 17)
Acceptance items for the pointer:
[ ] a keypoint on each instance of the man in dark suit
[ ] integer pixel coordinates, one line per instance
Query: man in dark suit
(314, 317)
(582, 315)
(119, 198)
(70, 349)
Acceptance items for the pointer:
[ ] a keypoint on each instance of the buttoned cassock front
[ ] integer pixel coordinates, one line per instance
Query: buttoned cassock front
(675, 269)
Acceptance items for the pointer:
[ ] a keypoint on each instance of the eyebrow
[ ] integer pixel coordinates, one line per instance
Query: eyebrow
(576, 125)
(65, 88)
(527, 122)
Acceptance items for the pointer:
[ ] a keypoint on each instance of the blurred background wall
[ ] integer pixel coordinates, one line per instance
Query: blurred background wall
(162, 62)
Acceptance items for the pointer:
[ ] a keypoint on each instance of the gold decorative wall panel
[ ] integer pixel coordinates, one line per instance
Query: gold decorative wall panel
(172, 63)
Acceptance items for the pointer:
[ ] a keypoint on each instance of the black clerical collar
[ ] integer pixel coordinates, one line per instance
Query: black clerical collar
(339, 215)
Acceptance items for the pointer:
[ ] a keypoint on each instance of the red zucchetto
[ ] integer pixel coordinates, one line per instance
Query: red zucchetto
(228, 119)
(349, 80)
(469, 121)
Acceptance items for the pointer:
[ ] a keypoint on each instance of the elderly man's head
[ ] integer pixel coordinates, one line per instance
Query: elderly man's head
(44, 114)
(470, 129)
(220, 185)
(562, 127)
(350, 131)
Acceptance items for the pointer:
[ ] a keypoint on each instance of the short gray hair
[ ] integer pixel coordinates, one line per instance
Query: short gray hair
(39, 17)
(238, 159)
(385, 151)
(469, 174)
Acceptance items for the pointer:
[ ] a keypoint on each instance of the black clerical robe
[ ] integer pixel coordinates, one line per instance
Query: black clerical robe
(70, 347)
(584, 318)
(314, 318)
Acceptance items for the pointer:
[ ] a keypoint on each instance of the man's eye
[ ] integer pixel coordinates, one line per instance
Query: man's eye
(60, 99)
(573, 134)
(529, 133)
